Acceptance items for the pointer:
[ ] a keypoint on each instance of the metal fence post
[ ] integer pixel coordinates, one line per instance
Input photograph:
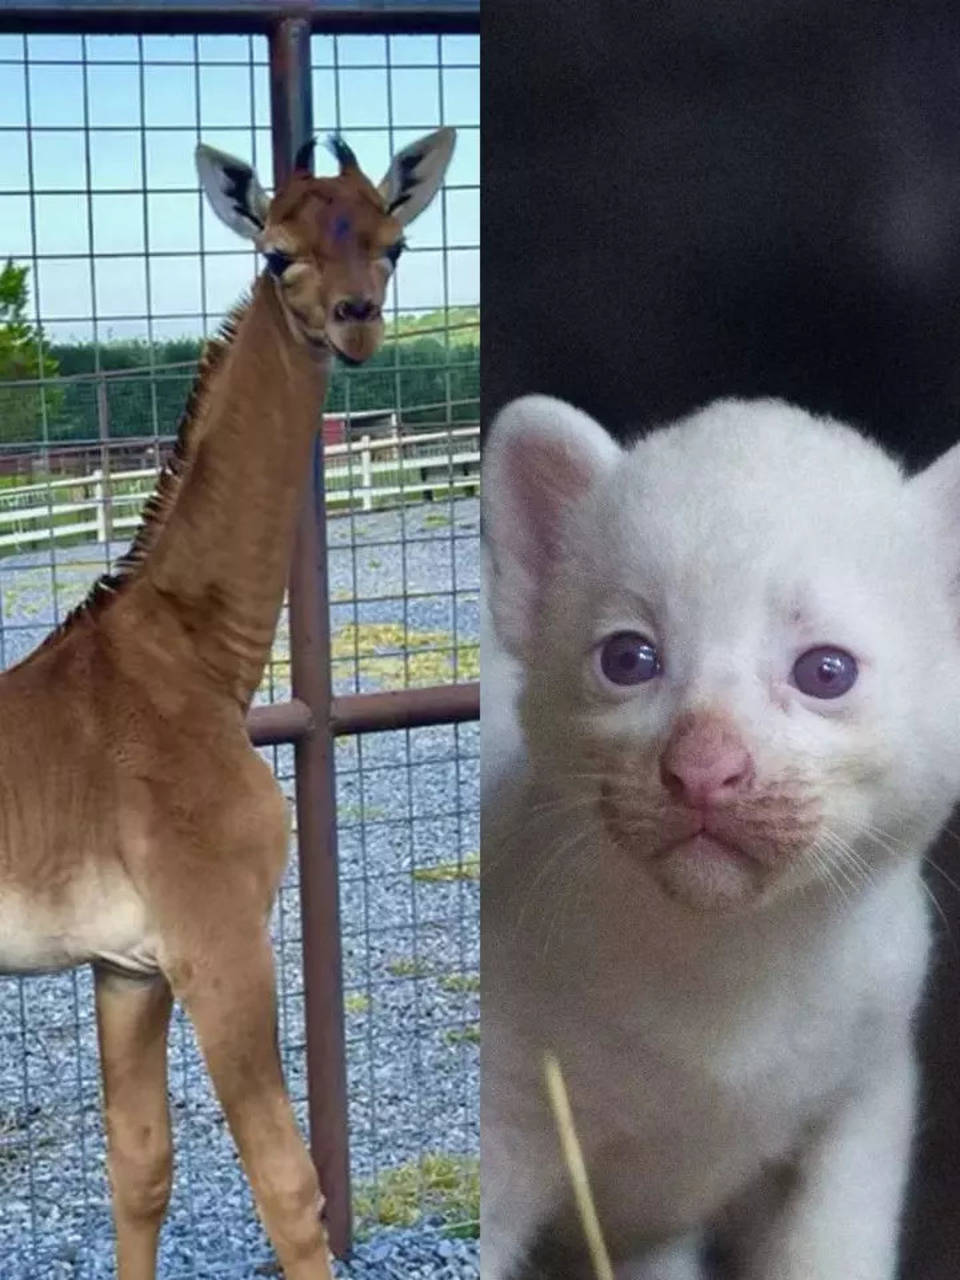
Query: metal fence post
(292, 124)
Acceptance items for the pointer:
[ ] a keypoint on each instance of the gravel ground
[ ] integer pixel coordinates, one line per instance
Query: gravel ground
(409, 906)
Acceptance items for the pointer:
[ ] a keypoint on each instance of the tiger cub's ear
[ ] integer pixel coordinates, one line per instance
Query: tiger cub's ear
(542, 456)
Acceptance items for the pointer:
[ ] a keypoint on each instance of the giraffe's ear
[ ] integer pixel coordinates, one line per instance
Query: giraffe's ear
(415, 174)
(234, 193)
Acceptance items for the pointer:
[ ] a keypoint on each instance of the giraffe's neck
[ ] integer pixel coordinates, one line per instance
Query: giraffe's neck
(219, 564)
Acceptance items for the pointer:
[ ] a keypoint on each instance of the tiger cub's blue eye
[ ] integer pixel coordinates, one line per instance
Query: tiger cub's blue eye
(628, 657)
(825, 672)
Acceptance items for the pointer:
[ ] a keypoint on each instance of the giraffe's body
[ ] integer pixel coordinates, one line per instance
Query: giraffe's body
(139, 830)
(67, 896)
(152, 676)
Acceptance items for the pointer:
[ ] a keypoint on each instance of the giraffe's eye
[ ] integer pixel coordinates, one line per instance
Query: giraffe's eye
(277, 262)
(394, 252)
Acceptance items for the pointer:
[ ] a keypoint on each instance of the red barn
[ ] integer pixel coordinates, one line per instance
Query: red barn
(334, 429)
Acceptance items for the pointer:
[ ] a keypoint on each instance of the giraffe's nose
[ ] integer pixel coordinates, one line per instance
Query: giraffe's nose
(357, 309)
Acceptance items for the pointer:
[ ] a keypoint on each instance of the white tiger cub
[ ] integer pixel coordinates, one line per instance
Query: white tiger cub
(738, 646)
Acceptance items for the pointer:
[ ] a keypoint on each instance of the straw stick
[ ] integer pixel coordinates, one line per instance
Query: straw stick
(576, 1169)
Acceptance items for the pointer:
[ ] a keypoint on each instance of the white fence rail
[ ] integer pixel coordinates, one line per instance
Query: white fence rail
(359, 474)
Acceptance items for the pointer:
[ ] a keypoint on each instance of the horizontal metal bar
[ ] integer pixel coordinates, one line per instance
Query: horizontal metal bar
(281, 722)
(448, 64)
(107, 255)
(367, 713)
(405, 708)
(239, 16)
(192, 128)
(26, 192)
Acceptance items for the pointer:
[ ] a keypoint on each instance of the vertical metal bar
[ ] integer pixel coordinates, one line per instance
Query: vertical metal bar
(102, 408)
(292, 123)
(147, 272)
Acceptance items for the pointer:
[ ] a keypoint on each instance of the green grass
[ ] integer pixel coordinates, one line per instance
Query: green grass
(399, 657)
(360, 813)
(356, 1002)
(460, 982)
(436, 1185)
(407, 967)
(444, 872)
(463, 1035)
(392, 656)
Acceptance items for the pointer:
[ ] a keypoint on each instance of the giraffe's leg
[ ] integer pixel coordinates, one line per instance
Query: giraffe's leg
(228, 991)
(132, 1019)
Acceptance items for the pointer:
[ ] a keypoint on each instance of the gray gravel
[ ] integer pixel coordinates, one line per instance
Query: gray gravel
(408, 802)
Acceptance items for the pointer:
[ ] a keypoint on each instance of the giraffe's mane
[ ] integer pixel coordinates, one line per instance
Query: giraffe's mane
(161, 502)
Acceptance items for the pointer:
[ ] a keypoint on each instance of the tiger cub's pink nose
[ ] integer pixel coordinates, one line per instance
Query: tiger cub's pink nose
(705, 762)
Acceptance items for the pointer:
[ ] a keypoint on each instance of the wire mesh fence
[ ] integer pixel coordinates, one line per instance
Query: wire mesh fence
(117, 271)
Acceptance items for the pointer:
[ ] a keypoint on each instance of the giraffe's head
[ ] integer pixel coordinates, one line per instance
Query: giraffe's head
(330, 244)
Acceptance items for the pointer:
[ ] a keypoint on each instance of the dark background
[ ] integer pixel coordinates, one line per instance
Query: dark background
(687, 200)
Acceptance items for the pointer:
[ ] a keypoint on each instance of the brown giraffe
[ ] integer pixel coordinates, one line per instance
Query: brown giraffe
(139, 830)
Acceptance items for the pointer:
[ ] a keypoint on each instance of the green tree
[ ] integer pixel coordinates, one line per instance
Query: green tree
(419, 369)
(22, 357)
(133, 404)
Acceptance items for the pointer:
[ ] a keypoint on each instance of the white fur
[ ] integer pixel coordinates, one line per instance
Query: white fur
(705, 1050)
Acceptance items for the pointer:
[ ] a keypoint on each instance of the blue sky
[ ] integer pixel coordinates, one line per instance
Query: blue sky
(142, 221)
